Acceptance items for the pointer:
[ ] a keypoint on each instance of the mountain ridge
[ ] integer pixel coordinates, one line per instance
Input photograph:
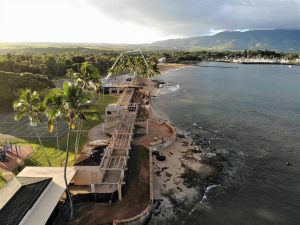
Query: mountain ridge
(277, 40)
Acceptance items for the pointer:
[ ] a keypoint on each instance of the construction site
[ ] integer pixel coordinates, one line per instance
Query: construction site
(111, 180)
(103, 171)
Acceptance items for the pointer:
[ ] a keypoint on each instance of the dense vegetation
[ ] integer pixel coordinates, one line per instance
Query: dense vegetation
(56, 65)
(179, 56)
(22, 68)
(11, 82)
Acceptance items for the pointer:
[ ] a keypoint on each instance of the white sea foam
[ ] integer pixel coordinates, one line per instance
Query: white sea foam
(204, 199)
(168, 89)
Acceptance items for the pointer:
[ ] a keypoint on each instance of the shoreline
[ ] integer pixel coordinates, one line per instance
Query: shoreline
(182, 180)
(167, 67)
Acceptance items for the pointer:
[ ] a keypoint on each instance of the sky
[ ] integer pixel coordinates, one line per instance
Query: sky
(138, 21)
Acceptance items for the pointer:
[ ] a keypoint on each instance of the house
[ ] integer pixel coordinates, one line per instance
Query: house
(31, 197)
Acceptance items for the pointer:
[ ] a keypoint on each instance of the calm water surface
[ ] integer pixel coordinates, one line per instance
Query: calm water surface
(253, 113)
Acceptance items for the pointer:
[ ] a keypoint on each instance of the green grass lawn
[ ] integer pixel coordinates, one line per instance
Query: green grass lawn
(100, 105)
(2, 181)
(57, 157)
(139, 158)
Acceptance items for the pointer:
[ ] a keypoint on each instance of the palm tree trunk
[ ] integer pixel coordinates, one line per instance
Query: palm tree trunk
(80, 131)
(42, 146)
(57, 137)
(65, 174)
(77, 139)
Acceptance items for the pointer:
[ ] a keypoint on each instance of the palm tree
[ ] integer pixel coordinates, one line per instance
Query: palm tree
(59, 60)
(76, 105)
(88, 77)
(29, 104)
(53, 102)
(152, 69)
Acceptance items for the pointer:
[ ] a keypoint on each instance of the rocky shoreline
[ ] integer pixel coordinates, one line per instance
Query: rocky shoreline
(190, 169)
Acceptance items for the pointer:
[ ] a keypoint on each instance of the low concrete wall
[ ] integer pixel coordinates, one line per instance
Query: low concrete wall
(145, 216)
(159, 144)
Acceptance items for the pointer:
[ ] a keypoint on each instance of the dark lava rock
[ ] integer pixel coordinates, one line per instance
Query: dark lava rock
(156, 212)
(157, 173)
(168, 174)
(180, 135)
(156, 204)
(161, 157)
(196, 150)
(164, 168)
(156, 153)
(218, 158)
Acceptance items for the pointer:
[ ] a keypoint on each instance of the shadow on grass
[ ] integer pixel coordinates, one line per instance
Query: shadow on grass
(57, 157)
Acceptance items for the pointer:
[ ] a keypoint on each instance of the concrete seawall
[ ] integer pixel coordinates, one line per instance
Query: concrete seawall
(164, 144)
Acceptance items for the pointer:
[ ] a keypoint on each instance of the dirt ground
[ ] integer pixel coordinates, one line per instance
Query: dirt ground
(96, 133)
(133, 203)
(137, 197)
(155, 130)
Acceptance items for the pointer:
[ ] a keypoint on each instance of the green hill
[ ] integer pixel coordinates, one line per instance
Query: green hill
(11, 82)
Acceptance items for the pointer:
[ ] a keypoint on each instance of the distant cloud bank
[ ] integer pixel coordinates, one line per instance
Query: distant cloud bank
(199, 17)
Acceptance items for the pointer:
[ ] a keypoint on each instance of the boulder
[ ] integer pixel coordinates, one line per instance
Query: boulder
(161, 157)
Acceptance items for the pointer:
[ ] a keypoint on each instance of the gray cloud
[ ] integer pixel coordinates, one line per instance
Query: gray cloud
(197, 17)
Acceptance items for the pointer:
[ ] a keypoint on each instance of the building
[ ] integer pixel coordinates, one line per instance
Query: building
(105, 174)
(31, 197)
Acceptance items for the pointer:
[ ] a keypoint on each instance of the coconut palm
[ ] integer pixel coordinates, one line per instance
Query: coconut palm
(29, 105)
(87, 78)
(152, 69)
(59, 61)
(52, 103)
(76, 105)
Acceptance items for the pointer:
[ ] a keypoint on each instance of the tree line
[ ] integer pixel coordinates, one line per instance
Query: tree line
(57, 65)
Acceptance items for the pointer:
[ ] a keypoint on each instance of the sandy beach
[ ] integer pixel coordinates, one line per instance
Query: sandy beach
(164, 67)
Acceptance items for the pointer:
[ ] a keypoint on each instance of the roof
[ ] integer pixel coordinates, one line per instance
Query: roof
(49, 194)
(24, 192)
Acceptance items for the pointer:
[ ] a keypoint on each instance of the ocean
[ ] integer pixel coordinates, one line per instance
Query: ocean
(251, 115)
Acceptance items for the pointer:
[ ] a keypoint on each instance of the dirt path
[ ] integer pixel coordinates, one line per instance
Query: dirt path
(97, 133)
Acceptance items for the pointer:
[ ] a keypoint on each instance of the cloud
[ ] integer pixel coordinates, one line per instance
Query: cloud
(198, 17)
